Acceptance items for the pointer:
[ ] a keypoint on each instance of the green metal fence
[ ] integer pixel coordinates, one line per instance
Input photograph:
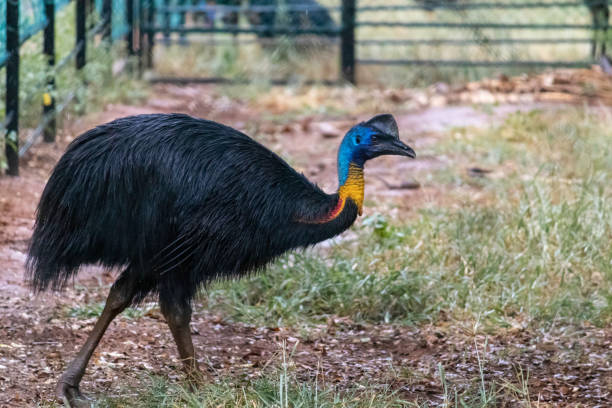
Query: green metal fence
(492, 36)
(20, 22)
(476, 33)
(31, 20)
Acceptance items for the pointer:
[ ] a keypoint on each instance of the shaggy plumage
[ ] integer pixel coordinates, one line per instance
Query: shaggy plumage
(179, 199)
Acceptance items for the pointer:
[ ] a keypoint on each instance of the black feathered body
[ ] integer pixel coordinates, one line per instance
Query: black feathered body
(177, 200)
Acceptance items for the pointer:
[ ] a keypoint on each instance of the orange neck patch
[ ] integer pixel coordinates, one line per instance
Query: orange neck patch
(353, 187)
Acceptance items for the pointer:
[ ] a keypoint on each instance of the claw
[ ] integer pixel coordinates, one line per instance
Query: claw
(196, 378)
(70, 395)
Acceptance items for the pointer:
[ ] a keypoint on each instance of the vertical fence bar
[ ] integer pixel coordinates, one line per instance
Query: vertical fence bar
(167, 17)
(107, 15)
(141, 25)
(347, 41)
(182, 21)
(81, 40)
(130, 23)
(150, 33)
(49, 51)
(12, 87)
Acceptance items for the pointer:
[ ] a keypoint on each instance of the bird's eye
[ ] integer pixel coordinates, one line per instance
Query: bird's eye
(357, 139)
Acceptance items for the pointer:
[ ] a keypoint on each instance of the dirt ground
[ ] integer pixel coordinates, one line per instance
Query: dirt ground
(37, 339)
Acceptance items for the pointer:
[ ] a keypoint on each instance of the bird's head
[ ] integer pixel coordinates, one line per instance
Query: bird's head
(367, 140)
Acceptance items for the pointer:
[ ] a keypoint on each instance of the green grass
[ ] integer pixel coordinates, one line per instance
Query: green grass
(278, 387)
(538, 250)
(270, 391)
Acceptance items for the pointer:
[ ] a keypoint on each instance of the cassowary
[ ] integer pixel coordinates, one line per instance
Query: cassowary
(176, 202)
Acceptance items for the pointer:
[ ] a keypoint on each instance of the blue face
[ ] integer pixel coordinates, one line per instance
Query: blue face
(354, 149)
(376, 137)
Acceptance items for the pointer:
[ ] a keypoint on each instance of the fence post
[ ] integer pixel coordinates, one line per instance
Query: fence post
(81, 40)
(12, 87)
(130, 23)
(167, 17)
(150, 33)
(107, 15)
(347, 41)
(141, 25)
(49, 51)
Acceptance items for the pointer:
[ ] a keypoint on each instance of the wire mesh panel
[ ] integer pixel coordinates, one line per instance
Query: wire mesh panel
(477, 34)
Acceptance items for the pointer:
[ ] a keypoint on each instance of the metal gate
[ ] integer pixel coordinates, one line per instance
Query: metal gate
(372, 39)
(476, 38)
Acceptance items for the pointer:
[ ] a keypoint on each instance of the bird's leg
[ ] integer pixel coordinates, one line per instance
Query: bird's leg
(118, 299)
(178, 316)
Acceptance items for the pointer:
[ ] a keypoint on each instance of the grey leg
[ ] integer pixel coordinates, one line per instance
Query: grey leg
(118, 299)
(178, 316)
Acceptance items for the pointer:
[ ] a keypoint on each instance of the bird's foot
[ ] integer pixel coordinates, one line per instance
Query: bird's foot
(196, 378)
(70, 395)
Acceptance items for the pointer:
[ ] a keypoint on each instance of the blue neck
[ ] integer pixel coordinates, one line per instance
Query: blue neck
(346, 156)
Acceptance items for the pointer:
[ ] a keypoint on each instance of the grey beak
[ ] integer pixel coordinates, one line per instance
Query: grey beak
(390, 145)
(401, 149)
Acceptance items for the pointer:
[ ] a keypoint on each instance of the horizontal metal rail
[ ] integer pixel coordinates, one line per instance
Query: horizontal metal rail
(417, 7)
(243, 30)
(37, 133)
(494, 26)
(242, 41)
(452, 42)
(256, 9)
(454, 6)
(464, 63)
(98, 28)
(66, 59)
(223, 80)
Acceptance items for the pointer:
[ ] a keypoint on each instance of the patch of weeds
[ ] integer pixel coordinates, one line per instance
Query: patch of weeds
(538, 250)
(272, 392)
(538, 257)
(302, 286)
